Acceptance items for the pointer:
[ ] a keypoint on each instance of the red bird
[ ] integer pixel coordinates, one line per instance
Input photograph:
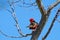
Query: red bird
(33, 25)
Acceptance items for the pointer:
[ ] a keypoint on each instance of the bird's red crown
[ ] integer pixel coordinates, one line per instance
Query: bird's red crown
(31, 19)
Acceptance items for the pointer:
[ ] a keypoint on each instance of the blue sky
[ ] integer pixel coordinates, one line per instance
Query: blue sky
(24, 14)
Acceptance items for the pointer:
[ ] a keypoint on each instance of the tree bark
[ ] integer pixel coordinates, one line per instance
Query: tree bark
(36, 33)
(42, 22)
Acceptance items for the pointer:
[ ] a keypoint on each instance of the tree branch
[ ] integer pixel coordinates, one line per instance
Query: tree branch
(24, 3)
(40, 6)
(8, 35)
(15, 18)
(49, 30)
(16, 21)
(39, 29)
(12, 11)
(51, 7)
(14, 36)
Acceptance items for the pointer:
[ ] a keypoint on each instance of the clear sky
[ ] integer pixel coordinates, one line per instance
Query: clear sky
(24, 14)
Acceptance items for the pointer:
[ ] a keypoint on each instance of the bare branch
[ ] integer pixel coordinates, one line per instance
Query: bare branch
(16, 20)
(40, 6)
(51, 25)
(58, 16)
(28, 5)
(24, 3)
(8, 35)
(51, 7)
(14, 36)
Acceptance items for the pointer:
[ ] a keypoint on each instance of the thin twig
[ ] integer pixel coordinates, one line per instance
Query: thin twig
(14, 36)
(8, 35)
(15, 18)
(24, 3)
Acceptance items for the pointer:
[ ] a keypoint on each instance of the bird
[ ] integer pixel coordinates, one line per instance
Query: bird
(33, 24)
